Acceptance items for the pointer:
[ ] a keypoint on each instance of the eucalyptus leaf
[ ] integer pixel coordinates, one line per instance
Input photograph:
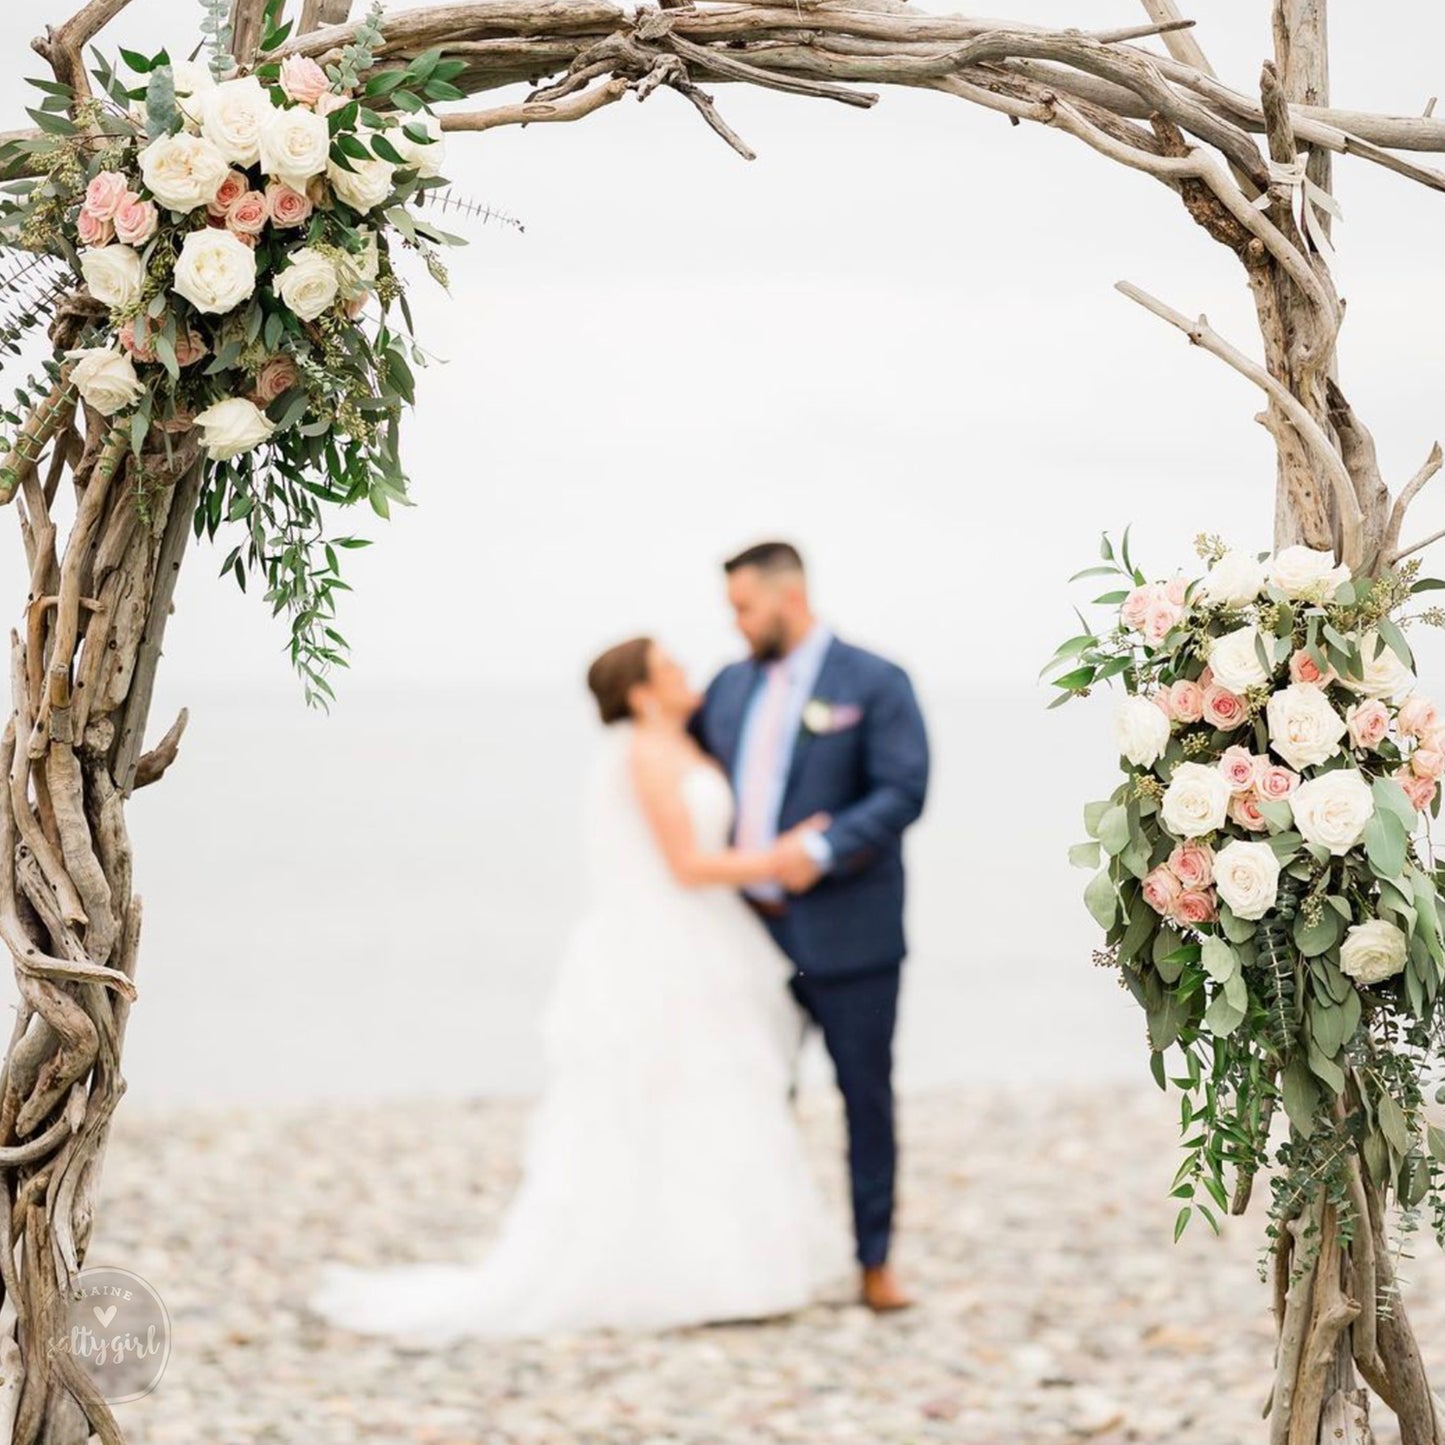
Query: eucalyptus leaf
(1085, 855)
(1101, 899)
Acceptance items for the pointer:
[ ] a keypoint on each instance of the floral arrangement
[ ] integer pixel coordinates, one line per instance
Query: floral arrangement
(238, 232)
(1260, 875)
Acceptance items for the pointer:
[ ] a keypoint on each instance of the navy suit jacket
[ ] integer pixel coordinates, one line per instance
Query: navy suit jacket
(870, 776)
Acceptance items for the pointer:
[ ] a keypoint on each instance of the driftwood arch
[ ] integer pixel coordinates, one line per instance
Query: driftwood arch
(1251, 167)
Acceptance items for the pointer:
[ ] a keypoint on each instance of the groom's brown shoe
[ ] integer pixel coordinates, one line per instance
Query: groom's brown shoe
(881, 1290)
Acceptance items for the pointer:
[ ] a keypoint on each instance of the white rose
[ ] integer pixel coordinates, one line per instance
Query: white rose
(105, 379)
(1303, 728)
(215, 272)
(231, 427)
(1385, 674)
(1332, 810)
(232, 115)
(1196, 801)
(1141, 730)
(1247, 876)
(294, 145)
(426, 156)
(366, 185)
(193, 79)
(114, 275)
(1373, 951)
(1234, 581)
(182, 171)
(1234, 660)
(1302, 572)
(309, 283)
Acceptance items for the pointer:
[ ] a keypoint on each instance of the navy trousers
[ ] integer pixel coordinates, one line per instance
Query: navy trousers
(856, 1013)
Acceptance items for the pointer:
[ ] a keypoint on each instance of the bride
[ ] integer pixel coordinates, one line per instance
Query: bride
(663, 1179)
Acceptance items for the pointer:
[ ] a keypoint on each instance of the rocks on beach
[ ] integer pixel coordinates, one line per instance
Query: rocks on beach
(1036, 1227)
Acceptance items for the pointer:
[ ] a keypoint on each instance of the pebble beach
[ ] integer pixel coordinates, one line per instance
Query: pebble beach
(1034, 1224)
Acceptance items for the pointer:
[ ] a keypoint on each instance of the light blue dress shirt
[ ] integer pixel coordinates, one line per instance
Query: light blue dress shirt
(802, 666)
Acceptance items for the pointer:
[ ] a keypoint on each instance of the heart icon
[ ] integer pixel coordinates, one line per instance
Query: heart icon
(104, 1316)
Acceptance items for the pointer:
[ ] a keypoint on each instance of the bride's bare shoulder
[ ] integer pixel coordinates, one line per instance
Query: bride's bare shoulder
(660, 759)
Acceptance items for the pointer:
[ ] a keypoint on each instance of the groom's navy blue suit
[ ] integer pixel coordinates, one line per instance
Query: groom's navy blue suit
(862, 759)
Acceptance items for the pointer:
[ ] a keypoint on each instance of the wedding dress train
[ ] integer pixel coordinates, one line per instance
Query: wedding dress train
(663, 1179)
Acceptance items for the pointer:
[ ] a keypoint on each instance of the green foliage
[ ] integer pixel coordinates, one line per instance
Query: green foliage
(216, 27)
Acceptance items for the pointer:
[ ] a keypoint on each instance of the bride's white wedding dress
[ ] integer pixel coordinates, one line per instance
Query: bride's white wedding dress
(663, 1180)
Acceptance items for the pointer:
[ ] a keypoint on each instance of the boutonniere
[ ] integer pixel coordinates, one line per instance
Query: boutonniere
(821, 716)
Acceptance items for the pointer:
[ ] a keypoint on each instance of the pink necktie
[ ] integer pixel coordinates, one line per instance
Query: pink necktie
(755, 829)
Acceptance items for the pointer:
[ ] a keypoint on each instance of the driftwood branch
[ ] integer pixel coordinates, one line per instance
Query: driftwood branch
(1392, 550)
(1201, 334)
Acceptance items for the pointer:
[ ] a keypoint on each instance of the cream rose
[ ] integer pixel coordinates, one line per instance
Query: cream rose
(114, 275)
(1373, 951)
(1234, 581)
(231, 427)
(428, 157)
(294, 145)
(366, 185)
(215, 271)
(1332, 810)
(232, 116)
(1303, 572)
(1303, 728)
(105, 379)
(1247, 877)
(309, 284)
(1385, 674)
(1196, 801)
(182, 171)
(193, 79)
(1234, 660)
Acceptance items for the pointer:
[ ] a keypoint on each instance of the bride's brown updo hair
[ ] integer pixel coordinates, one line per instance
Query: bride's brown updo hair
(613, 675)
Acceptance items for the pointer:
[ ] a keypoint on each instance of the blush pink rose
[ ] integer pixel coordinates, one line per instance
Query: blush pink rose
(92, 230)
(1161, 890)
(138, 345)
(1159, 619)
(1175, 588)
(329, 102)
(1222, 708)
(1273, 782)
(1186, 701)
(1418, 716)
(1303, 668)
(1427, 763)
(245, 237)
(275, 378)
(1368, 723)
(1237, 765)
(1244, 810)
(1196, 906)
(1160, 700)
(288, 207)
(248, 214)
(303, 80)
(1193, 864)
(135, 220)
(232, 189)
(1420, 791)
(104, 195)
(357, 305)
(1136, 607)
(191, 347)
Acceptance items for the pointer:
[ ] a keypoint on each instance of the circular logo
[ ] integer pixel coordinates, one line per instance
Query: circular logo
(116, 1327)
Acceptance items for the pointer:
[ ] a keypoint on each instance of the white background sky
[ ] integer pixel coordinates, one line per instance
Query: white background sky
(893, 337)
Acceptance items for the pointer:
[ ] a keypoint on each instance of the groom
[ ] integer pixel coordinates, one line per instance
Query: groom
(810, 724)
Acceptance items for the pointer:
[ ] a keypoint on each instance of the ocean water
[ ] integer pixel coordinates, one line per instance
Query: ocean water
(371, 904)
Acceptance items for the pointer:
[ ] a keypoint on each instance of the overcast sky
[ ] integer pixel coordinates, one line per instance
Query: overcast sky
(892, 337)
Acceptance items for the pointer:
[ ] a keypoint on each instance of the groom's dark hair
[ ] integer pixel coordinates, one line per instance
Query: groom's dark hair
(767, 557)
